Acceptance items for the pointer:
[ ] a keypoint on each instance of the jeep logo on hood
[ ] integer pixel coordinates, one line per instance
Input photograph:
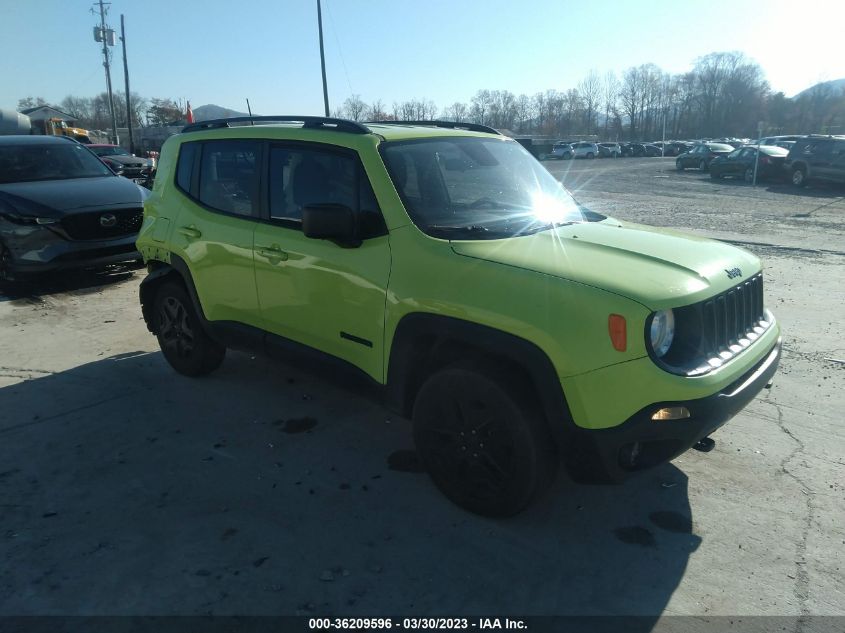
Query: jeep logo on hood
(733, 272)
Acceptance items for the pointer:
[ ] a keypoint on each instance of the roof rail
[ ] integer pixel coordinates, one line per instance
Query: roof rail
(312, 122)
(472, 127)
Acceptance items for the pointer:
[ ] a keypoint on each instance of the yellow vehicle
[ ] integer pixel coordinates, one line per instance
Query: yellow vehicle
(57, 127)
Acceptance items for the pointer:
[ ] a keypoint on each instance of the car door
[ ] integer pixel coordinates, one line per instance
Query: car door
(820, 159)
(324, 295)
(213, 232)
(743, 160)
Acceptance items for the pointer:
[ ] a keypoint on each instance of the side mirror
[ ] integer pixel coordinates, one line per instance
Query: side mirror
(334, 222)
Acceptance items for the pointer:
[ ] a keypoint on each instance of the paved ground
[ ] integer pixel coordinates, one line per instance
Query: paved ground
(126, 489)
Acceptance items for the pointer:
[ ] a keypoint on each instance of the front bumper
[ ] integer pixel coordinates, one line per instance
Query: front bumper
(611, 454)
(37, 249)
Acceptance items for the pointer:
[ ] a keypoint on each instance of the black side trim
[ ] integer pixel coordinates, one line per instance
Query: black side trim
(356, 339)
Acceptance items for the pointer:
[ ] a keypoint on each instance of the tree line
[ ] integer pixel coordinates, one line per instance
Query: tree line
(724, 94)
(93, 112)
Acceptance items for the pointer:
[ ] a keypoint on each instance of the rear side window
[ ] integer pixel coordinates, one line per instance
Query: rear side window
(229, 176)
(185, 166)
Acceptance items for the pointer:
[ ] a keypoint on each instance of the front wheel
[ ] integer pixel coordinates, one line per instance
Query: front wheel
(590, 155)
(485, 445)
(799, 177)
(185, 345)
(749, 175)
(702, 166)
(679, 165)
(715, 175)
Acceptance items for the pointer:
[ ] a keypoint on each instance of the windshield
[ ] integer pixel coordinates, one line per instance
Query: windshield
(478, 188)
(109, 151)
(59, 161)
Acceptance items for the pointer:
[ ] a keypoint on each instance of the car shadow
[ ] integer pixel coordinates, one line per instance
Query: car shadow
(263, 489)
(77, 281)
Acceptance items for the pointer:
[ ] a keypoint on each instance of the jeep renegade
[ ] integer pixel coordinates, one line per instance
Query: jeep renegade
(515, 328)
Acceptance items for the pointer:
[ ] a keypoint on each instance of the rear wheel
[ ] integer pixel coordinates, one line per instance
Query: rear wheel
(749, 174)
(483, 443)
(715, 175)
(799, 177)
(702, 165)
(185, 345)
(679, 165)
(590, 155)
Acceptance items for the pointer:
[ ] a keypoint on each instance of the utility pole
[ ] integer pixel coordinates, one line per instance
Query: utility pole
(126, 78)
(106, 36)
(322, 57)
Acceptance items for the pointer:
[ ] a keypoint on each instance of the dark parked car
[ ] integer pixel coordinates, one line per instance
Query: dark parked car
(676, 148)
(636, 149)
(610, 150)
(652, 149)
(61, 207)
(816, 157)
(133, 166)
(702, 155)
(740, 163)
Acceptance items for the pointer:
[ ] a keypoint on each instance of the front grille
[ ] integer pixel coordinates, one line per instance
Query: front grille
(710, 333)
(728, 318)
(103, 225)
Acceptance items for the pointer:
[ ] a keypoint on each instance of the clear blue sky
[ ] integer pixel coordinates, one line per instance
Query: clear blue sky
(219, 51)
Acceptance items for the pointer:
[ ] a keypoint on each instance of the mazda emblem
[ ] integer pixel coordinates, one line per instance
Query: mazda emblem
(108, 220)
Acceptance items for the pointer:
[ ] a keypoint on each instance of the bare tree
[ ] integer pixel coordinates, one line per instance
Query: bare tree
(590, 91)
(354, 108)
(609, 96)
(377, 111)
(456, 112)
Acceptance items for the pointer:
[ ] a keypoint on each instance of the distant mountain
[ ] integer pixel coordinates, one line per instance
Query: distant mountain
(834, 85)
(211, 111)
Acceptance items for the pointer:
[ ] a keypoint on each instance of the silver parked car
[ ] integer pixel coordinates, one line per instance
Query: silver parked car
(585, 150)
(561, 151)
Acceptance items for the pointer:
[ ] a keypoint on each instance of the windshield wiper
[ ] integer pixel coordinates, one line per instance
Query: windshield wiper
(475, 230)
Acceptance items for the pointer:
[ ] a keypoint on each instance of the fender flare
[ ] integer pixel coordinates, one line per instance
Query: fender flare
(160, 273)
(424, 342)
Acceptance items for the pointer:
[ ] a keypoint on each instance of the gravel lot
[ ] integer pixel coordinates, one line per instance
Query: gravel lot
(127, 489)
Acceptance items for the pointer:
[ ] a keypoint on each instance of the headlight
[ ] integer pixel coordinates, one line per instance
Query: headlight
(662, 332)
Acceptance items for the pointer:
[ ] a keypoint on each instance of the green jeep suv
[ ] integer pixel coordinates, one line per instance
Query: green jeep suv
(442, 263)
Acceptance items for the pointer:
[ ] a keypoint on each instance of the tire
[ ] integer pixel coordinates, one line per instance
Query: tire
(702, 165)
(679, 165)
(748, 175)
(184, 344)
(567, 157)
(715, 176)
(590, 155)
(5, 258)
(482, 442)
(799, 177)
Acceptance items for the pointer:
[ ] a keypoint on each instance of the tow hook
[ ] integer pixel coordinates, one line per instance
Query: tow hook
(705, 444)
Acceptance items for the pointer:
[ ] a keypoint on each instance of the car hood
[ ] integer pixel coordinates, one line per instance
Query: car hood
(56, 196)
(127, 160)
(658, 268)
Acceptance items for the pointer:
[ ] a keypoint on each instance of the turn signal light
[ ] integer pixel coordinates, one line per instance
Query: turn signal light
(670, 413)
(618, 331)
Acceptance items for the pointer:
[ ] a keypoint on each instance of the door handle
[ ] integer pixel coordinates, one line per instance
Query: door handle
(274, 253)
(190, 231)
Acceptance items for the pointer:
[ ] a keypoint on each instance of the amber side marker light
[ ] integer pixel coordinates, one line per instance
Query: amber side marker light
(618, 330)
(670, 413)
